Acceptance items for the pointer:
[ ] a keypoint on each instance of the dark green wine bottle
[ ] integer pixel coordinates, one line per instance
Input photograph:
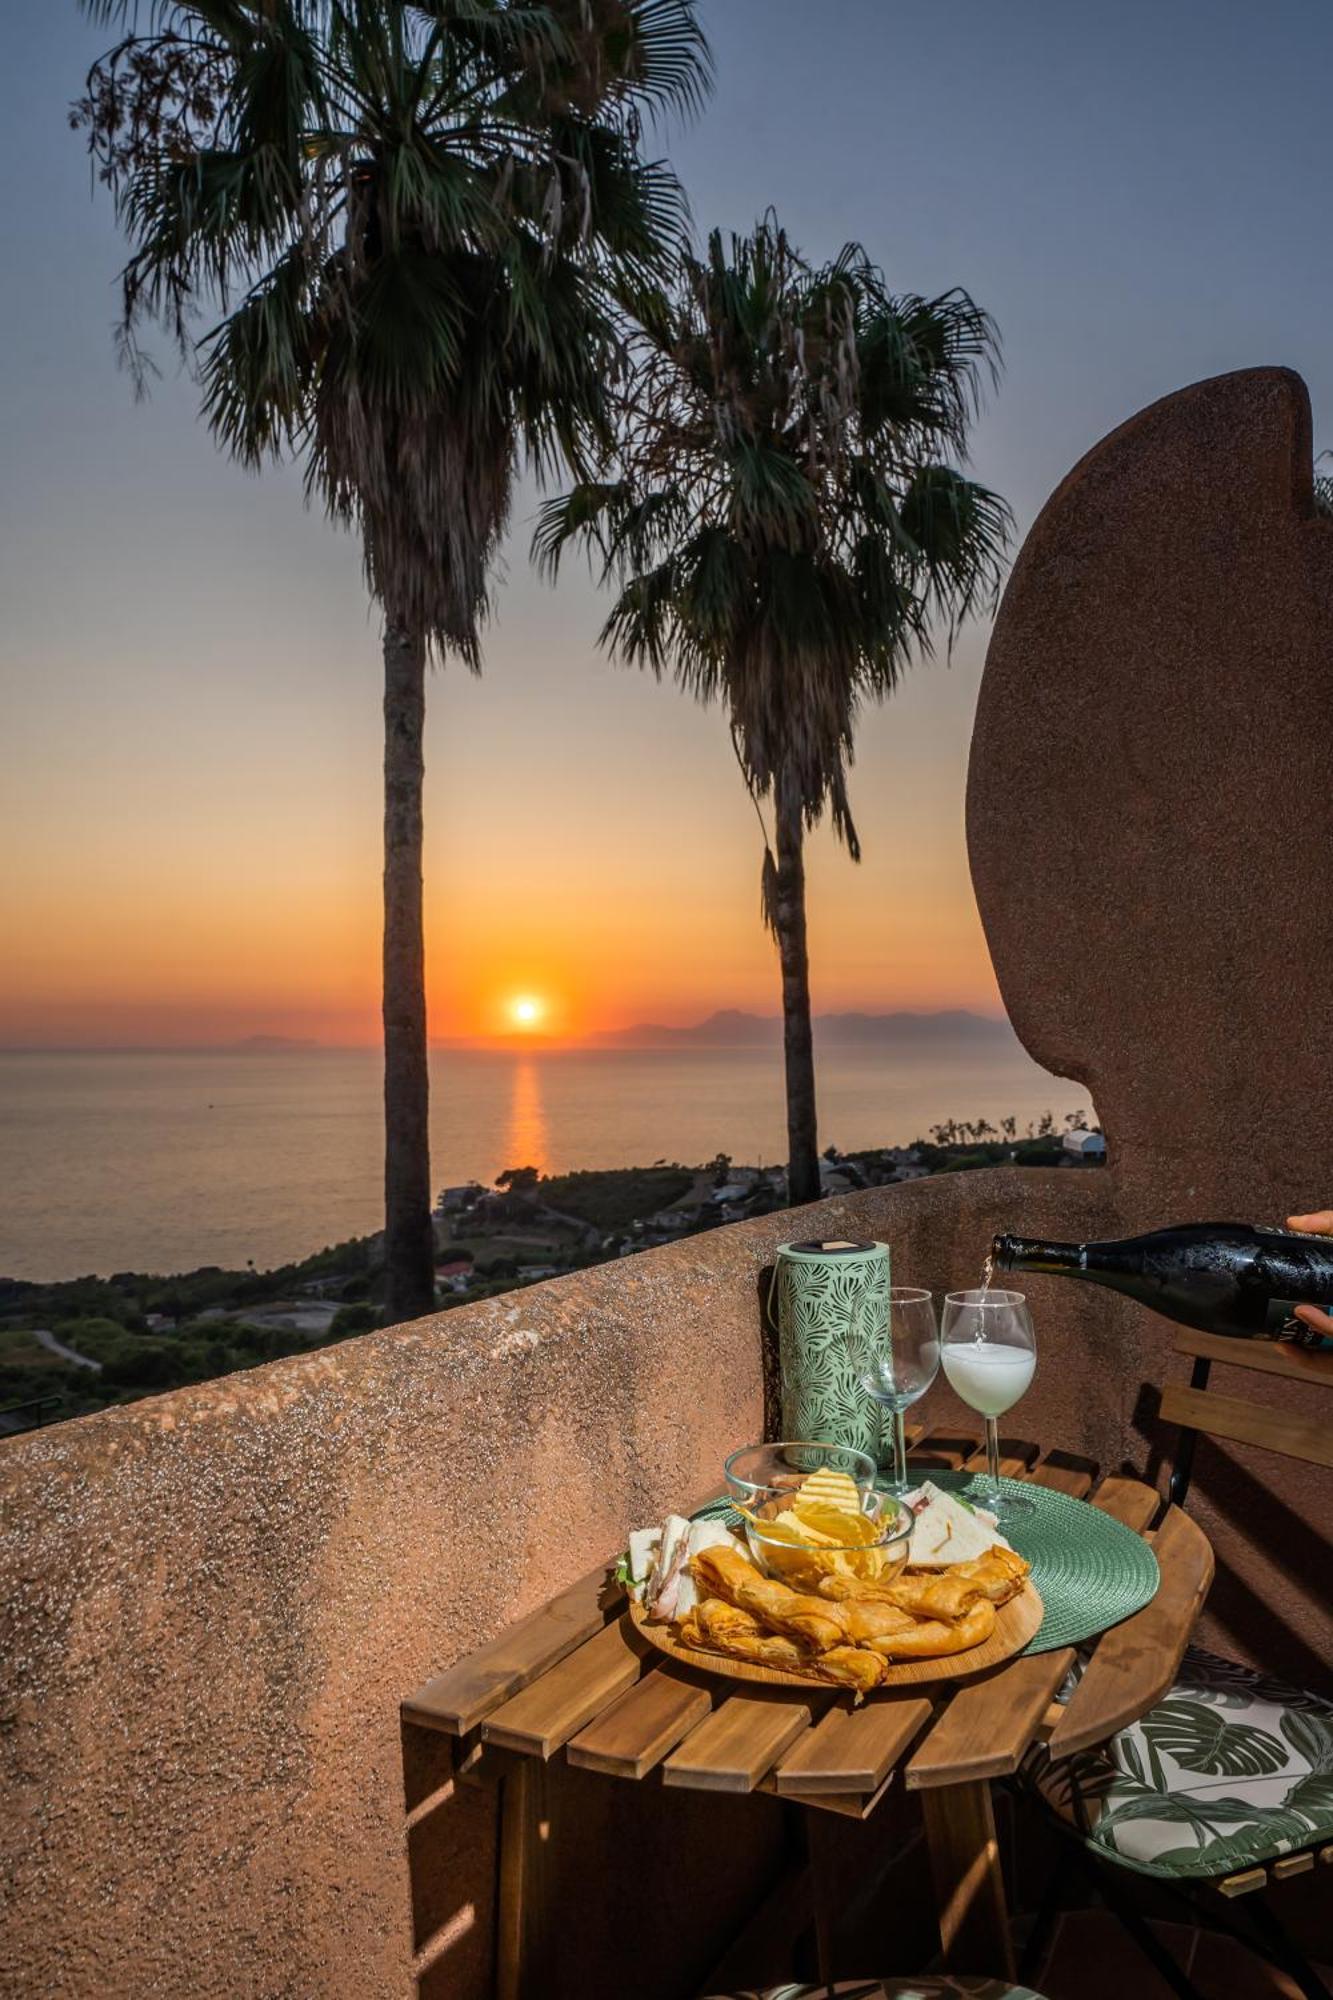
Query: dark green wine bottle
(1227, 1278)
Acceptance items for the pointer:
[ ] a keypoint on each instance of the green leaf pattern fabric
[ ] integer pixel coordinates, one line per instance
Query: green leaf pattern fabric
(1231, 1769)
(822, 1304)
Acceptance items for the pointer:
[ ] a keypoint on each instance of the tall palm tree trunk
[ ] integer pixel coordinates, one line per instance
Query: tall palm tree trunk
(409, 1249)
(788, 914)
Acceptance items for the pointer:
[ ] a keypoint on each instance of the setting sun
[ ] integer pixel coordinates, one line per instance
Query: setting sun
(525, 1011)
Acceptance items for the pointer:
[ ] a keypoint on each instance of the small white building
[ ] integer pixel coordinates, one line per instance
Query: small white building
(1085, 1145)
(453, 1198)
(733, 1190)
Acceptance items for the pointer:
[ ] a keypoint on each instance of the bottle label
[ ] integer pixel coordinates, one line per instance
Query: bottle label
(1281, 1323)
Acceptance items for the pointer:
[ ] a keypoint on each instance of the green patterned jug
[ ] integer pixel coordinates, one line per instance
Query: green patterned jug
(821, 1294)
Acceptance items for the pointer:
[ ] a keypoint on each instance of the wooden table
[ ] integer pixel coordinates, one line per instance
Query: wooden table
(575, 1680)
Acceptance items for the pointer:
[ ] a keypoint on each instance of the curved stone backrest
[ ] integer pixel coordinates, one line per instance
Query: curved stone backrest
(1150, 800)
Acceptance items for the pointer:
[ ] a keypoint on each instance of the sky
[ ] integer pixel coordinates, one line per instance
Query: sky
(189, 667)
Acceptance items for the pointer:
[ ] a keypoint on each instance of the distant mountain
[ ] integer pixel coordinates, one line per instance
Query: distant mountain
(730, 1028)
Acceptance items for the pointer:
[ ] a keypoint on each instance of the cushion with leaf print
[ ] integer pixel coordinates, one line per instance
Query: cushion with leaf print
(1230, 1769)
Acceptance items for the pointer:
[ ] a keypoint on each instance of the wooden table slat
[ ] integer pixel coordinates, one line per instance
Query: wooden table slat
(732, 1749)
(851, 1749)
(1128, 1501)
(1136, 1662)
(846, 1805)
(633, 1735)
(1063, 1472)
(543, 1716)
(986, 1729)
(456, 1700)
(949, 1450)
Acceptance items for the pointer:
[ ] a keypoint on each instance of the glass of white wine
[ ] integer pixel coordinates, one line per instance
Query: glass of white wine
(989, 1353)
(896, 1362)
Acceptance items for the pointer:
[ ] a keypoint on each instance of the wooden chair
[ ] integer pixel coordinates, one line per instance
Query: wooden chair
(1224, 1789)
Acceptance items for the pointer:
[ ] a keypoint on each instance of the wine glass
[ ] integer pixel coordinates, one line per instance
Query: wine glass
(989, 1352)
(896, 1362)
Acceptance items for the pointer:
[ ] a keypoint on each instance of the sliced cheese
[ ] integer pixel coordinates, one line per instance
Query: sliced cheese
(945, 1531)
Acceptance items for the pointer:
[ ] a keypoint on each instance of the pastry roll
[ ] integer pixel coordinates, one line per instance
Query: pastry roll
(725, 1573)
(944, 1594)
(863, 1619)
(715, 1627)
(856, 1590)
(852, 1666)
(719, 1620)
(999, 1575)
(932, 1594)
(934, 1639)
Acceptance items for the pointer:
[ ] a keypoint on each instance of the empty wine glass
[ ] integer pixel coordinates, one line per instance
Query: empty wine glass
(989, 1352)
(896, 1362)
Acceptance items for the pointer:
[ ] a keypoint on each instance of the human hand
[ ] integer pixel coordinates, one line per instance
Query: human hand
(1318, 1224)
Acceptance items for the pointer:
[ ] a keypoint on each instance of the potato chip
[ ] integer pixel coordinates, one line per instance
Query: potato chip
(836, 1489)
(802, 1546)
(843, 1529)
(816, 1535)
(781, 1528)
(785, 1528)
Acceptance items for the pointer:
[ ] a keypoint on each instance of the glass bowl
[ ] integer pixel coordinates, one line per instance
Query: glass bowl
(758, 1473)
(779, 1546)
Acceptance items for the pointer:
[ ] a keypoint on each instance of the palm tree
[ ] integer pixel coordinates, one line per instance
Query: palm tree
(784, 525)
(415, 231)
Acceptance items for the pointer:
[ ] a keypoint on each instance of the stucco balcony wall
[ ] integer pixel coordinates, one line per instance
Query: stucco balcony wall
(215, 1600)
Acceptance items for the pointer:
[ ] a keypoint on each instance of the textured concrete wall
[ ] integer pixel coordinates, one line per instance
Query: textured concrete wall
(1150, 821)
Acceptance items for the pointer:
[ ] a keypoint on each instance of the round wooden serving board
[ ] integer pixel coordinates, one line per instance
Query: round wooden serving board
(1016, 1623)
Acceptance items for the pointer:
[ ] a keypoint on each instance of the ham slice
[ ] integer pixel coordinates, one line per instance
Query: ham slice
(671, 1592)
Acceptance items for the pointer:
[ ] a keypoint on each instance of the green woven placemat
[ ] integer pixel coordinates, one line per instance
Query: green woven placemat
(1089, 1570)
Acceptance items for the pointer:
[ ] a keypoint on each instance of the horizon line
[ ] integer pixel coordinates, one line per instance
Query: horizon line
(280, 1044)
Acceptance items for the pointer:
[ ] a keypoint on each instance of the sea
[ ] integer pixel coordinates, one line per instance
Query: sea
(163, 1162)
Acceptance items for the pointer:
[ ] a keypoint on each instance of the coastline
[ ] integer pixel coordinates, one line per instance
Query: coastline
(75, 1345)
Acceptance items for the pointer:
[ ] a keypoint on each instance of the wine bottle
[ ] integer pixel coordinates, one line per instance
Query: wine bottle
(1227, 1278)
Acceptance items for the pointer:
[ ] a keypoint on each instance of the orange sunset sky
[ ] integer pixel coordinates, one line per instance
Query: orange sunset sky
(190, 736)
(200, 848)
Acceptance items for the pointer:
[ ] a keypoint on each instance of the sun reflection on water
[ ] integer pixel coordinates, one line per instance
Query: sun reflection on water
(526, 1140)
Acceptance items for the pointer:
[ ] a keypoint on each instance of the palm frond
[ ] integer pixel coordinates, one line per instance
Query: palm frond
(781, 517)
(413, 232)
